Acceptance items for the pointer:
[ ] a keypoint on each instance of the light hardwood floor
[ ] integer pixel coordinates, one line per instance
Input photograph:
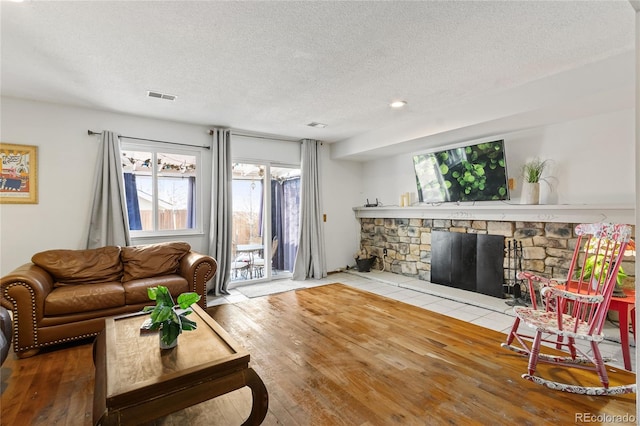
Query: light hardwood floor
(336, 355)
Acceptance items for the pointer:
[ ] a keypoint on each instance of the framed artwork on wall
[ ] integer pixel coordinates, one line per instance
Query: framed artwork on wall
(19, 176)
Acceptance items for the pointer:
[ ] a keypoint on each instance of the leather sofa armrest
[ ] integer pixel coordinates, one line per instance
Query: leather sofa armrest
(23, 291)
(5, 333)
(198, 269)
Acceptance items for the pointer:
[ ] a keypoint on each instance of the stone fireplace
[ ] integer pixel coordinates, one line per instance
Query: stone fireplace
(547, 245)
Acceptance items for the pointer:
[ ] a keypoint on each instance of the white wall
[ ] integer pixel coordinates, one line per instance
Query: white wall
(66, 163)
(594, 153)
(341, 185)
(594, 158)
(249, 148)
(592, 162)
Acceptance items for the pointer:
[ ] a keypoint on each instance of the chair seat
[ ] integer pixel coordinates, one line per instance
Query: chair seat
(239, 265)
(547, 322)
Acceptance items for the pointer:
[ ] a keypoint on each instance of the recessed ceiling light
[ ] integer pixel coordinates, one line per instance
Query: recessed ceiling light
(316, 124)
(397, 104)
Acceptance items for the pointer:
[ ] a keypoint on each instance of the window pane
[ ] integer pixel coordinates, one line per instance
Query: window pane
(161, 190)
(176, 187)
(144, 186)
(247, 210)
(285, 208)
(248, 204)
(136, 166)
(265, 221)
(173, 203)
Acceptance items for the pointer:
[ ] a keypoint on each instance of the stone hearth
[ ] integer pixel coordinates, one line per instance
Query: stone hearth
(547, 246)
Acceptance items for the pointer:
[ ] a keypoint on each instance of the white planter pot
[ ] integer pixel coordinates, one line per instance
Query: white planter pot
(530, 193)
(164, 345)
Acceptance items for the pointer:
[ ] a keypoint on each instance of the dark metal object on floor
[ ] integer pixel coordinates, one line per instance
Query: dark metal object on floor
(513, 286)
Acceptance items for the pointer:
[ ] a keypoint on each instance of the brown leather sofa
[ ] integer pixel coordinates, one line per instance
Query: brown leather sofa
(5, 333)
(65, 295)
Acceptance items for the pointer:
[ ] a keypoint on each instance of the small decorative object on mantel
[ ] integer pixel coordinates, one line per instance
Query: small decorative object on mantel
(165, 316)
(532, 174)
(405, 199)
(364, 262)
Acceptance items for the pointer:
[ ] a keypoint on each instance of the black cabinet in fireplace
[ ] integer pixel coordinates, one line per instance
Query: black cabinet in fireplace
(471, 262)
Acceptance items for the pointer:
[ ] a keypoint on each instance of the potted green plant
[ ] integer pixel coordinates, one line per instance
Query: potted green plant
(532, 174)
(166, 317)
(533, 169)
(595, 265)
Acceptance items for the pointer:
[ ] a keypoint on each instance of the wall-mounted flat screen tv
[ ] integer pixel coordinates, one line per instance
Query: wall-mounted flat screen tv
(469, 173)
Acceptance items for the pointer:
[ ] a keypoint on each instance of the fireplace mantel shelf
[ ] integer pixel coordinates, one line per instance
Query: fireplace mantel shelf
(564, 213)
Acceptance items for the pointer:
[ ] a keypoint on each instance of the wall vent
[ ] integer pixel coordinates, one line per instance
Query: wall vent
(159, 95)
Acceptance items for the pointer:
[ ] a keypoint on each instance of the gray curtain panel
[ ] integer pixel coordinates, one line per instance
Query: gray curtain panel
(221, 209)
(310, 260)
(109, 223)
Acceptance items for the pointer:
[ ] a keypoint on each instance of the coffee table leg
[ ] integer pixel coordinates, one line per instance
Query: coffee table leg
(100, 389)
(260, 398)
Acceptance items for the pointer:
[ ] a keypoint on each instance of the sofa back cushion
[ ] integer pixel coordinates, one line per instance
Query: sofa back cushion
(152, 260)
(81, 266)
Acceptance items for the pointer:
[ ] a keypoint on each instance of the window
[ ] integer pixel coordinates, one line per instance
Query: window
(265, 205)
(161, 189)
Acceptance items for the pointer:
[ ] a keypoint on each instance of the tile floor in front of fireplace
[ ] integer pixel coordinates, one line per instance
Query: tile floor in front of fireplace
(479, 309)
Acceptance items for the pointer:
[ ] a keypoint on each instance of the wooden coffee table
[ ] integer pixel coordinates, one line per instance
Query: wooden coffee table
(136, 382)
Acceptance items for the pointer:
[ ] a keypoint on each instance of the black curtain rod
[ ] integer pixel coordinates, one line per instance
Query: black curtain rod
(90, 133)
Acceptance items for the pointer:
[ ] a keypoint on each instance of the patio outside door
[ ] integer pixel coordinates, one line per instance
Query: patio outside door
(266, 200)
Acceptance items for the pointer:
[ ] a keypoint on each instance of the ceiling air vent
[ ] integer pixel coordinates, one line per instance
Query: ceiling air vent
(159, 95)
(317, 125)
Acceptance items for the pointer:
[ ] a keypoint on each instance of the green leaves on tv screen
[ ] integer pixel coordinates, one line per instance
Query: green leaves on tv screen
(471, 173)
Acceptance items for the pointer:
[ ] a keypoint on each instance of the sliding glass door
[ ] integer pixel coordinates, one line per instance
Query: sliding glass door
(266, 201)
(285, 218)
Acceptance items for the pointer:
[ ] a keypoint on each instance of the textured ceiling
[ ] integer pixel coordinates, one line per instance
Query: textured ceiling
(273, 67)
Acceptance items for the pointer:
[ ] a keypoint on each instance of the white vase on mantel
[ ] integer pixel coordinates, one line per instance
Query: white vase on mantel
(530, 193)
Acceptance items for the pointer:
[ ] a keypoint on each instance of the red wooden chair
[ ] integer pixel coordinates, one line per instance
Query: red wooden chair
(575, 309)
